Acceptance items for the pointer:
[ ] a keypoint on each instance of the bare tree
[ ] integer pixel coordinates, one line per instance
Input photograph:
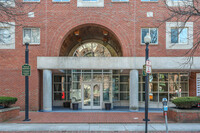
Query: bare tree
(184, 11)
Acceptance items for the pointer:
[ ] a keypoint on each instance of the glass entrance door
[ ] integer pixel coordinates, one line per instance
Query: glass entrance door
(92, 96)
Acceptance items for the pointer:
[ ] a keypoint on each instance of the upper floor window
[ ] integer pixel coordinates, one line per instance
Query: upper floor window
(153, 32)
(150, 0)
(120, 0)
(31, 0)
(179, 35)
(61, 0)
(90, 3)
(33, 33)
(179, 2)
(7, 35)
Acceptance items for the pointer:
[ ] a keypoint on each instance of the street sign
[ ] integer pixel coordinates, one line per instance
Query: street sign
(148, 66)
(148, 63)
(144, 70)
(26, 70)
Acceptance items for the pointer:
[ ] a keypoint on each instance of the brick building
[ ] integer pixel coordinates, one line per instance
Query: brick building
(93, 51)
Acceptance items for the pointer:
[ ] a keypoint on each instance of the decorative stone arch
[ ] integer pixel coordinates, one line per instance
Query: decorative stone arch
(77, 21)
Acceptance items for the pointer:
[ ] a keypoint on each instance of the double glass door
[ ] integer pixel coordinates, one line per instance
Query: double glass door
(92, 95)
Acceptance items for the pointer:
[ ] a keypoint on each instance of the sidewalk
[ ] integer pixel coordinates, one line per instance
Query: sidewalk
(181, 127)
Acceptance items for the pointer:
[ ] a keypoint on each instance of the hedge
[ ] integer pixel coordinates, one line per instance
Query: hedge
(186, 102)
(7, 101)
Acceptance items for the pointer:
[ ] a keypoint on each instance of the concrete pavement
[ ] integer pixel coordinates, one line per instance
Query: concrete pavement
(12, 127)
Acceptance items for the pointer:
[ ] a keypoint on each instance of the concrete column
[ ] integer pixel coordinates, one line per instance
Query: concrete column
(47, 90)
(133, 92)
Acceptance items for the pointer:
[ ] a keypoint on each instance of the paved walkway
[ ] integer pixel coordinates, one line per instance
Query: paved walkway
(182, 127)
(89, 117)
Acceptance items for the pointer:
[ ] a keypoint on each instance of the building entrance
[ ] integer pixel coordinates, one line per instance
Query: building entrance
(92, 96)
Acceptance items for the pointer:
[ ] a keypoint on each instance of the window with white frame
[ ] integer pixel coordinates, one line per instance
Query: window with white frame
(10, 3)
(33, 33)
(31, 0)
(90, 3)
(120, 0)
(149, 0)
(179, 2)
(7, 35)
(153, 32)
(61, 0)
(179, 35)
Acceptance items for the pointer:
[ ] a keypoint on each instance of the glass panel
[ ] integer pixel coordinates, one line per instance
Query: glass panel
(60, 96)
(97, 71)
(163, 77)
(163, 87)
(58, 78)
(116, 96)
(124, 87)
(87, 95)
(184, 86)
(173, 78)
(5, 35)
(153, 87)
(76, 76)
(155, 77)
(183, 35)
(87, 71)
(106, 96)
(162, 95)
(154, 36)
(184, 95)
(124, 96)
(153, 97)
(76, 85)
(57, 87)
(35, 38)
(174, 35)
(184, 76)
(173, 88)
(87, 76)
(144, 32)
(96, 95)
(173, 95)
(124, 78)
(142, 86)
(107, 77)
(97, 77)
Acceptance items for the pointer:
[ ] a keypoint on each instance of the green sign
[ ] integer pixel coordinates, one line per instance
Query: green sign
(26, 70)
(144, 70)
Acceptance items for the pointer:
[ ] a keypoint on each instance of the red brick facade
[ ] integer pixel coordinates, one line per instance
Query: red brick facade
(57, 20)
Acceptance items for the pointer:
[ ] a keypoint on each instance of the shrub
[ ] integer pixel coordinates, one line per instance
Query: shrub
(7, 101)
(186, 102)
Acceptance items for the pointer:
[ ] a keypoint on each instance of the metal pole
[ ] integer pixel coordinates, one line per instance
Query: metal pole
(146, 91)
(166, 122)
(26, 86)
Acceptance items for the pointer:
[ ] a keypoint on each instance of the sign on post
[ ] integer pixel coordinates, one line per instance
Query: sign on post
(148, 66)
(26, 70)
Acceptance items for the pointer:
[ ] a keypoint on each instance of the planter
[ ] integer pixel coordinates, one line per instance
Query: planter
(75, 106)
(107, 106)
(9, 113)
(184, 115)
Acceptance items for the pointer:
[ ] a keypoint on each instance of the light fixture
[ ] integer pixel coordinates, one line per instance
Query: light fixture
(147, 38)
(76, 32)
(105, 33)
(27, 39)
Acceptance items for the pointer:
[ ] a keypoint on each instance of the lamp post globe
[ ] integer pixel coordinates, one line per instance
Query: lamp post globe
(27, 39)
(147, 40)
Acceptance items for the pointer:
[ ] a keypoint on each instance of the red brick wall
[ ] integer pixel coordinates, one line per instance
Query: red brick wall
(9, 114)
(56, 21)
(192, 84)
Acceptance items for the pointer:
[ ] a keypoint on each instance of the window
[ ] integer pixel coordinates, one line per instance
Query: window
(7, 36)
(90, 3)
(153, 32)
(165, 85)
(34, 34)
(179, 35)
(7, 3)
(150, 0)
(61, 0)
(120, 0)
(179, 2)
(31, 0)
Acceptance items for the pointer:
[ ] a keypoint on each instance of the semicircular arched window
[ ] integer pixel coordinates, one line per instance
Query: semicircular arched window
(92, 49)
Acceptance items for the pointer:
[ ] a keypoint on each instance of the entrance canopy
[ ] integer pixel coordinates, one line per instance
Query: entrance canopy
(114, 63)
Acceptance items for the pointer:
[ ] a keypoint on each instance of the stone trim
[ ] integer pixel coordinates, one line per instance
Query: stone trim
(8, 109)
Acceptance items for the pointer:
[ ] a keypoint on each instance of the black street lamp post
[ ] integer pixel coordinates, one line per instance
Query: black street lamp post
(147, 40)
(27, 40)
